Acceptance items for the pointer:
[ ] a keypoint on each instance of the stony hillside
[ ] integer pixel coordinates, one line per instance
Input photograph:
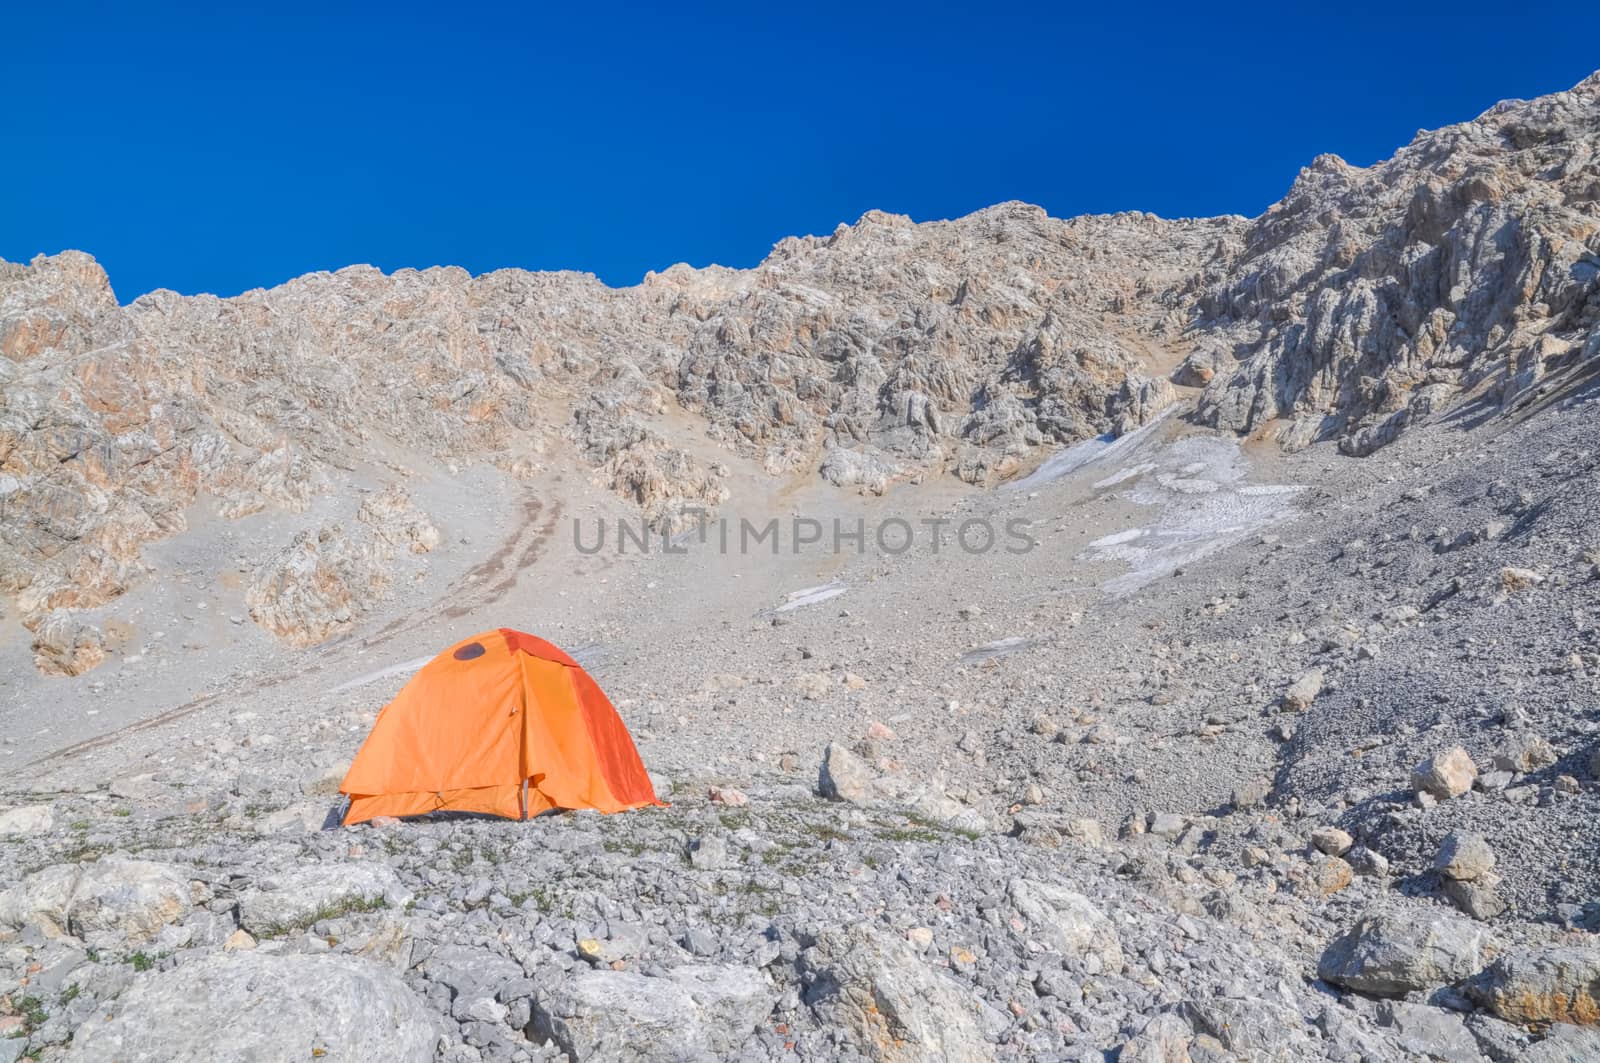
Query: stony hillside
(881, 352)
(1279, 743)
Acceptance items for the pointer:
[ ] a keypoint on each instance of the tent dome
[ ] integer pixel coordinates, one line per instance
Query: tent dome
(502, 723)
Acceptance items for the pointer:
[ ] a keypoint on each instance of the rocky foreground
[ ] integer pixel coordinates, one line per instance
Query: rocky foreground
(1282, 745)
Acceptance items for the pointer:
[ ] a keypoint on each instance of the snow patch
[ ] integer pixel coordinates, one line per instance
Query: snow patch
(809, 596)
(1203, 505)
(999, 648)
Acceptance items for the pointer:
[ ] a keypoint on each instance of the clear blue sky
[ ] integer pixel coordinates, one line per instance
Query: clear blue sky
(208, 150)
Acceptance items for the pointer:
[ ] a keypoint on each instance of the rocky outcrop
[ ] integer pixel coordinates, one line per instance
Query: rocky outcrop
(324, 581)
(1370, 298)
(319, 584)
(397, 522)
(66, 645)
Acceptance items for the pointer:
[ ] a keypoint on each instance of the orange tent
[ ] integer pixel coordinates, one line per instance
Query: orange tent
(502, 723)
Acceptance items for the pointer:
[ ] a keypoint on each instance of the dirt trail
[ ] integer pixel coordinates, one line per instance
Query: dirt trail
(484, 585)
(488, 581)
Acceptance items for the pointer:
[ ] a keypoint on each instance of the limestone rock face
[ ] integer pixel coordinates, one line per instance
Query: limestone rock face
(909, 346)
(1369, 298)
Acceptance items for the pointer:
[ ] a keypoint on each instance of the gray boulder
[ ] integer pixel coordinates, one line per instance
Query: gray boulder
(1445, 775)
(1464, 856)
(1391, 954)
(844, 776)
(110, 901)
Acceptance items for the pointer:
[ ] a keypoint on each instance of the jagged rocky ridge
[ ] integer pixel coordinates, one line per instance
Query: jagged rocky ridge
(1466, 267)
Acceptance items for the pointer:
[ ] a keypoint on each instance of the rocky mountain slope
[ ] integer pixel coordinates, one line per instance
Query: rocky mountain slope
(882, 351)
(1281, 743)
(1464, 268)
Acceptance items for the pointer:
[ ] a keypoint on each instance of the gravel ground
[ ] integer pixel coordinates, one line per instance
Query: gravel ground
(1111, 830)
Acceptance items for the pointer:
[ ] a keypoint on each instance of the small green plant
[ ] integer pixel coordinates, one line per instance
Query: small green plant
(934, 825)
(141, 962)
(123, 812)
(538, 894)
(619, 845)
(70, 994)
(81, 824)
(32, 1012)
(339, 909)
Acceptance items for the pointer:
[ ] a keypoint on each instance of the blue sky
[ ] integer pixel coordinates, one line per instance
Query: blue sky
(205, 150)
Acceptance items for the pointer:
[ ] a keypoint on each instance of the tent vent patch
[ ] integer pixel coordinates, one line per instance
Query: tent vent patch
(469, 651)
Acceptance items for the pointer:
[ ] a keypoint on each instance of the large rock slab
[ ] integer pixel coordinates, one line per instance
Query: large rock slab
(28, 819)
(251, 1007)
(695, 1012)
(1068, 922)
(893, 1007)
(1391, 954)
(299, 898)
(114, 900)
